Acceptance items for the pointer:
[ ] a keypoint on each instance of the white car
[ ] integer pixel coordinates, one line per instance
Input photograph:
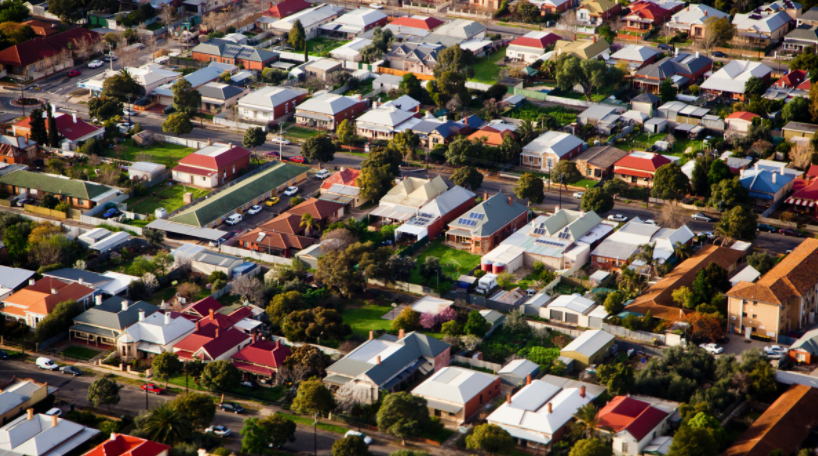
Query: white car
(279, 140)
(367, 440)
(254, 210)
(773, 354)
(219, 430)
(95, 64)
(233, 219)
(579, 195)
(650, 222)
(323, 174)
(617, 218)
(128, 112)
(54, 412)
(375, 6)
(709, 234)
(46, 363)
(291, 191)
(713, 349)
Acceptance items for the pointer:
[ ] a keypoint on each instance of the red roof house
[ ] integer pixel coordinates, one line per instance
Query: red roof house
(126, 445)
(261, 357)
(531, 46)
(418, 22)
(286, 8)
(42, 28)
(323, 211)
(638, 168)
(629, 420)
(792, 79)
(34, 302)
(214, 339)
(740, 121)
(347, 176)
(28, 59)
(275, 243)
(212, 166)
(70, 127)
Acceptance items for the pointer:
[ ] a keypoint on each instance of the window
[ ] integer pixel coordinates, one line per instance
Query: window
(590, 172)
(744, 314)
(755, 316)
(624, 447)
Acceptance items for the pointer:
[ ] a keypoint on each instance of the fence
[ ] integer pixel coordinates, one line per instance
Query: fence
(404, 286)
(158, 179)
(265, 257)
(426, 8)
(422, 77)
(221, 119)
(221, 292)
(535, 94)
(45, 211)
(633, 335)
(179, 141)
(412, 249)
(187, 63)
(372, 67)
(478, 363)
(295, 56)
(477, 85)
(87, 219)
(561, 329)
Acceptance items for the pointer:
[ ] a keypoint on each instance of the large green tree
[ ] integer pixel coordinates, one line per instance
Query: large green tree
(315, 325)
(597, 200)
(261, 434)
(618, 377)
(198, 408)
(122, 86)
(352, 445)
(164, 424)
(565, 172)
(591, 75)
(476, 324)
(708, 282)
(797, 110)
(166, 365)
(58, 320)
(69, 11)
(490, 439)
(377, 172)
(253, 138)
(591, 447)
(185, 98)
(104, 391)
(104, 108)
(405, 142)
(346, 132)
(220, 376)
(704, 420)
(700, 185)
(297, 38)
(309, 359)
(690, 441)
(468, 177)
(319, 148)
(403, 415)
(39, 134)
(313, 397)
(455, 60)
(738, 224)
(530, 187)
(177, 123)
(728, 193)
(670, 183)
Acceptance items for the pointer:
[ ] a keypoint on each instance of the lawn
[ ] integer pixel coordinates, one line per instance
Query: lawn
(485, 70)
(167, 293)
(154, 26)
(317, 46)
(80, 352)
(171, 198)
(260, 393)
(367, 318)
(595, 97)
(532, 112)
(644, 141)
(363, 88)
(308, 422)
(455, 262)
(162, 153)
(299, 133)
(587, 183)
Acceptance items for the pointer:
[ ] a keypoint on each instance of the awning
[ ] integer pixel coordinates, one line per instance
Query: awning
(310, 115)
(526, 435)
(336, 379)
(149, 347)
(443, 406)
(187, 230)
(336, 198)
(252, 368)
(419, 231)
(759, 195)
(392, 213)
(330, 27)
(459, 232)
(88, 329)
(800, 202)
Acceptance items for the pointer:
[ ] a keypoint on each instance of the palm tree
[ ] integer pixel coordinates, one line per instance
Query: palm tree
(682, 251)
(165, 424)
(587, 421)
(645, 254)
(527, 131)
(629, 279)
(308, 222)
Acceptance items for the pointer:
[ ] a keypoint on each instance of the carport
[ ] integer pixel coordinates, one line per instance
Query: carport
(206, 234)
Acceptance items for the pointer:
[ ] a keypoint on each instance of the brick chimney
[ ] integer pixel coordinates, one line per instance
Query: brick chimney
(371, 335)
(582, 391)
(510, 201)
(550, 409)
(31, 282)
(278, 343)
(485, 196)
(594, 37)
(508, 398)
(528, 379)
(400, 334)
(54, 421)
(30, 414)
(705, 13)
(217, 333)
(197, 324)
(54, 290)
(378, 359)
(212, 314)
(254, 337)
(113, 436)
(98, 299)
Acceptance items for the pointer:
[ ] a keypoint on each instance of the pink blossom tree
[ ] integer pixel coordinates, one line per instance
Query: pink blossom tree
(448, 314)
(428, 321)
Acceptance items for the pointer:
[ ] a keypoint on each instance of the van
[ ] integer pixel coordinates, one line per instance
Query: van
(45, 363)
(323, 174)
(233, 219)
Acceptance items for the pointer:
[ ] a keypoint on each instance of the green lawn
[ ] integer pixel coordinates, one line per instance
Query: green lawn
(455, 262)
(171, 198)
(80, 352)
(367, 318)
(154, 26)
(644, 141)
(308, 422)
(317, 46)
(300, 133)
(162, 153)
(485, 70)
(595, 97)
(532, 112)
(587, 183)
(260, 393)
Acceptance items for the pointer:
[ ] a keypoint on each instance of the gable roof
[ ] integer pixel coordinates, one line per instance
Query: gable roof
(328, 103)
(39, 48)
(347, 176)
(535, 39)
(219, 91)
(229, 49)
(264, 353)
(286, 8)
(110, 315)
(635, 53)
(215, 156)
(497, 212)
(697, 14)
(317, 208)
(733, 76)
(644, 161)
(66, 126)
(12, 278)
(555, 142)
(159, 329)
(684, 64)
(50, 183)
(454, 384)
(583, 49)
(265, 238)
(419, 22)
(127, 445)
(597, 6)
(285, 223)
(46, 293)
(271, 96)
(415, 192)
(795, 275)
(742, 115)
(764, 181)
(601, 156)
(624, 413)
(756, 21)
(461, 28)
(589, 342)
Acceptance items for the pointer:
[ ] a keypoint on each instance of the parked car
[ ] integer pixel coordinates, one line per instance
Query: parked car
(323, 174)
(3, 354)
(297, 159)
(279, 140)
(113, 212)
(273, 154)
(375, 6)
(367, 439)
(73, 73)
(719, 54)
(46, 363)
(70, 370)
(702, 217)
(665, 47)
(290, 191)
(54, 412)
(790, 232)
(231, 407)
(713, 349)
(767, 228)
(254, 210)
(709, 234)
(617, 218)
(650, 222)
(128, 112)
(769, 352)
(95, 64)
(272, 201)
(151, 388)
(579, 195)
(233, 219)
(219, 430)
(110, 57)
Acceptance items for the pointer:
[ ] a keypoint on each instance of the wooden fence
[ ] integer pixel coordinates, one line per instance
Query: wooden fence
(392, 71)
(45, 211)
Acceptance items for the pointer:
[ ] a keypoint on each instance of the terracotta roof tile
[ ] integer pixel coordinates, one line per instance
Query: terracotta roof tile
(319, 209)
(264, 353)
(126, 445)
(346, 177)
(628, 414)
(287, 8)
(284, 223)
(743, 115)
(645, 164)
(39, 299)
(37, 49)
(275, 240)
(795, 275)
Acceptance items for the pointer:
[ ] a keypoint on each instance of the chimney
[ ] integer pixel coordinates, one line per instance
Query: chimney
(528, 379)
(271, 6)
(229, 146)
(401, 334)
(30, 414)
(485, 196)
(510, 202)
(113, 436)
(124, 305)
(582, 391)
(141, 315)
(550, 408)
(508, 398)
(209, 142)
(75, 117)
(254, 337)
(217, 333)
(212, 314)
(374, 105)
(677, 52)
(782, 171)
(378, 359)
(594, 37)
(467, 121)
(31, 282)
(371, 335)
(278, 343)
(54, 420)
(773, 178)
(167, 318)
(697, 54)
(197, 325)
(98, 299)
(82, 282)
(359, 97)
(54, 290)
(705, 13)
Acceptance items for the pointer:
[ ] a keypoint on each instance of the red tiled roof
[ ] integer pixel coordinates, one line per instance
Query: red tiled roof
(42, 28)
(346, 177)
(743, 115)
(792, 79)
(540, 43)
(195, 170)
(216, 162)
(39, 299)
(812, 171)
(275, 240)
(634, 173)
(247, 367)
(127, 445)
(810, 192)
(427, 23)
(202, 307)
(226, 341)
(806, 85)
(264, 353)
(284, 223)
(628, 414)
(319, 209)
(648, 10)
(287, 8)
(36, 49)
(65, 126)
(644, 164)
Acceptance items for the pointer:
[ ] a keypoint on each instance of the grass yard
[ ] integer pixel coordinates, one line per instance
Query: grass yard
(300, 134)
(261, 393)
(455, 262)
(595, 97)
(308, 422)
(532, 112)
(363, 88)
(167, 293)
(317, 46)
(171, 198)
(80, 352)
(587, 183)
(162, 153)
(367, 318)
(485, 70)
(644, 141)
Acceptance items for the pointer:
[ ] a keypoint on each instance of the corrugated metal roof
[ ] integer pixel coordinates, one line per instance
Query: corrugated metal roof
(13, 277)
(589, 343)
(454, 385)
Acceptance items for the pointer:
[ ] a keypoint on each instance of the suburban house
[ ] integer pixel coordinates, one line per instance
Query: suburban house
(485, 226)
(782, 300)
(760, 28)
(615, 252)
(155, 334)
(109, 283)
(311, 19)
(212, 166)
(595, 12)
(351, 52)
(40, 435)
(805, 349)
(740, 121)
(766, 187)
(261, 358)
(494, 133)
(386, 363)
(693, 19)
(801, 38)
(13, 155)
(548, 149)
(405, 199)
(455, 32)
(214, 339)
(103, 323)
(432, 218)
(432, 131)
(553, 6)
(267, 239)
(537, 414)
(531, 46)
(354, 23)
(643, 17)
(126, 445)
(645, 103)
(796, 83)
(414, 25)
(638, 168)
(634, 423)
(792, 131)
(598, 161)
(729, 81)
(383, 122)
(322, 211)
(413, 57)
(153, 77)
(343, 188)
(431, 305)
(13, 279)
(217, 96)
(42, 28)
(207, 262)
(328, 110)
(225, 51)
(18, 394)
(635, 56)
(518, 372)
(42, 56)
(810, 17)
(80, 194)
(270, 103)
(286, 8)
(34, 302)
(792, 9)
(70, 128)
(682, 70)
(657, 298)
(575, 310)
(582, 49)
(454, 394)
(591, 347)
(322, 68)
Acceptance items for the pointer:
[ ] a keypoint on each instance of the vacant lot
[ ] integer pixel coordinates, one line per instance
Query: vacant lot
(162, 153)
(485, 70)
(170, 197)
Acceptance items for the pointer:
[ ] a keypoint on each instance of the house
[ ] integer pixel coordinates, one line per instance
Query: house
(635, 56)
(514, 298)
(328, 110)
(406, 103)
(604, 118)
(126, 445)
(266, 239)
(783, 426)
(432, 218)
(13, 279)
(589, 348)
(643, 17)
(553, 6)
(343, 188)
(387, 82)
(433, 132)
(351, 52)
(575, 310)
(80, 194)
(729, 81)
(454, 394)
(413, 57)
(455, 32)
(597, 162)
(615, 252)
(487, 224)
(41, 56)
(404, 200)
(518, 372)
(387, 363)
(11, 155)
(354, 23)
(805, 349)
(18, 394)
(40, 435)
(766, 188)
(270, 103)
(286, 8)
(417, 26)
(693, 18)
(549, 148)
(145, 171)
(657, 298)
(322, 211)
(261, 359)
(638, 168)
(801, 38)
(207, 262)
(109, 283)
(70, 128)
(740, 121)
(595, 12)
(103, 323)
(494, 133)
(226, 51)
(809, 18)
(212, 166)
(645, 103)
(760, 28)
(582, 49)
(321, 68)
(217, 96)
(34, 302)
(311, 19)
(783, 300)
(155, 334)
(633, 424)
(792, 9)
(383, 122)
(531, 46)
(682, 69)
(796, 83)
(537, 415)
(794, 130)
(41, 28)
(214, 339)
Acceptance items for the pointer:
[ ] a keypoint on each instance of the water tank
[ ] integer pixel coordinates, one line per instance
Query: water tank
(160, 213)
(498, 268)
(486, 265)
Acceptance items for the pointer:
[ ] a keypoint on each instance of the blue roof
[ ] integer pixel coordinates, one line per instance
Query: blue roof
(244, 268)
(445, 128)
(761, 181)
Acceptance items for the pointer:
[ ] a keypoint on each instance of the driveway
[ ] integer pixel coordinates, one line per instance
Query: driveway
(738, 345)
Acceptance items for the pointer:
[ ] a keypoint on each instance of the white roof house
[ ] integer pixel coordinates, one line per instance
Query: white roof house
(732, 77)
(268, 97)
(146, 170)
(589, 342)
(39, 434)
(310, 18)
(328, 103)
(552, 142)
(755, 24)
(453, 386)
(404, 103)
(383, 119)
(110, 242)
(575, 309)
(158, 332)
(351, 51)
(450, 200)
(461, 28)
(119, 282)
(414, 192)
(692, 15)
(748, 274)
(431, 305)
(355, 21)
(622, 244)
(518, 370)
(635, 53)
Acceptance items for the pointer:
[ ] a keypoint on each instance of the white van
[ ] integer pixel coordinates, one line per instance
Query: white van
(323, 174)
(233, 219)
(45, 363)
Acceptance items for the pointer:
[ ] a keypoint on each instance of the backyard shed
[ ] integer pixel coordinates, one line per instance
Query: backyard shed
(431, 305)
(655, 125)
(110, 242)
(589, 348)
(145, 171)
(247, 268)
(93, 236)
(466, 281)
(207, 262)
(516, 372)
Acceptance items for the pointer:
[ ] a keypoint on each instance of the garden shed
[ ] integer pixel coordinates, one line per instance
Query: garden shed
(516, 372)
(589, 348)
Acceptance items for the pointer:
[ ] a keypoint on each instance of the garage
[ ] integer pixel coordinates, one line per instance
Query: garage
(556, 315)
(572, 318)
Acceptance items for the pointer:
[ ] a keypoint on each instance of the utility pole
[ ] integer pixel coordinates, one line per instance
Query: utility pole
(315, 435)
(146, 395)
(281, 142)
(129, 108)
(110, 56)
(185, 376)
(22, 98)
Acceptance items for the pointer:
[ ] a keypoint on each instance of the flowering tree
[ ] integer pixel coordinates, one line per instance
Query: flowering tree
(448, 314)
(428, 321)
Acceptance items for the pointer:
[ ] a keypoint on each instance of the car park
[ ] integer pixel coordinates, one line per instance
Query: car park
(151, 388)
(272, 201)
(95, 64)
(254, 210)
(231, 407)
(70, 370)
(790, 232)
(617, 218)
(46, 363)
(367, 440)
(290, 191)
(766, 228)
(233, 219)
(713, 349)
(702, 217)
(323, 174)
(74, 73)
(579, 195)
(219, 430)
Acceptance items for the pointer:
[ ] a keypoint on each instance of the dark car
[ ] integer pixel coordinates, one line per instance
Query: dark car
(767, 228)
(665, 47)
(231, 407)
(3, 354)
(719, 54)
(790, 232)
(113, 212)
(70, 370)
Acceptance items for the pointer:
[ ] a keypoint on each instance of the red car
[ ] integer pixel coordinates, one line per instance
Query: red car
(151, 388)
(297, 159)
(271, 154)
(73, 73)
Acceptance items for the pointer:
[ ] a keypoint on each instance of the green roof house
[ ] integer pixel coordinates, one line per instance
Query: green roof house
(103, 323)
(80, 194)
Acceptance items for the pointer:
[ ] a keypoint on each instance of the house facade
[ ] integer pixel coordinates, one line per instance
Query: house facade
(595, 12)
(36, 301)
(682, 69)
(79, 194)
(212, 165)
(598, 161)
(454, 394)
(153, 335)
(485, 226)
(261, 359)
(69, 127)
(413, 57)
(549, 148)
(531, 46)
(638, 168)
(103, 323)
(270, 104)
(328, 110)
(225, 51)
(633, 424)
(730, 80)
(43, 56)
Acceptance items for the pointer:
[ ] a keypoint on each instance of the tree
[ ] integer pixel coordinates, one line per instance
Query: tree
(167, 14)
(755, 87)
(763, 381)
(597, 200)
(313, 397)
(530, 187)
(467, 177)
(69, 11)
(704, 420)
(565, 171)
(616, 187)
(220, 376)
(405, 143)
(186, 99)
(408, 320)
(177, 123)
(587, 420)
(490, 439)
(738, 223)
(617, 377)
(164, 424)
(59, 319)
(122, 85)
(297, 38)
(346, 132)
(670, 183)
(403, 415)
(198, 408)
(104, 108)
(308, 359)
(38, 130)
(410, 85)
(590, 74)
(461, 152)
(319, 148)
(352, 445)
(311, 325)
(728, 193)
(718, 172)
(282, 305)
(454, 59)
(104, 391)
(430, 268)
(591, 447)
(254, 137)
(667, 92)
(684, 297)
(272, 431)
(761, 261)
(614, 303)
(336, 269)
(155, 238)
(476, 325)
(797, 110)
(166, 365)
(248, 288)
(690, 441)
(700, 184)
(705, 327)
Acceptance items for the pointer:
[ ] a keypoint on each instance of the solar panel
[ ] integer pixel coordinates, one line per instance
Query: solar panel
(539, 231)
(476, 215)
(462, 221)
(547, 242)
